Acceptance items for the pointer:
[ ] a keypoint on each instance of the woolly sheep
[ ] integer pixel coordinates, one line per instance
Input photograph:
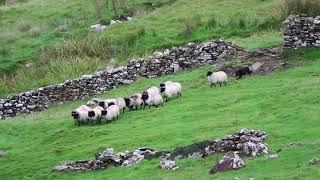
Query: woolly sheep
(157, 100)
(111, 113)
(120, 102)
(171, 89)
(217, 77)
(98, 113)
(81, 114)
(134, 101)
(243, 71)
(152, 97)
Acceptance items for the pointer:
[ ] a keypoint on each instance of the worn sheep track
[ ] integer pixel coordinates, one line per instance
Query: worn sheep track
(246, 142)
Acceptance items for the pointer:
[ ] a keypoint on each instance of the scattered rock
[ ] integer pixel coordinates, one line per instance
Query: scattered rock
(2, 153)
(301, 31)
(273, 157)
(98, 27)
(314, 161)
(168, 164)
(202, 149)
(294, 144)
(230, 161)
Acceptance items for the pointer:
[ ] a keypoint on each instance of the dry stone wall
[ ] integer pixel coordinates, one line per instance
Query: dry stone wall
(301, 31)
(160, 63)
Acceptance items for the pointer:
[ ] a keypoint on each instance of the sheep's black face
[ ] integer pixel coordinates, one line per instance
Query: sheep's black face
(162, 89)
(162, 85)
(102, 104)
(104, 112)
(145, 96)
(111, 103)
(209, 73)
(91, 114)
(127, 100)
(75, 114)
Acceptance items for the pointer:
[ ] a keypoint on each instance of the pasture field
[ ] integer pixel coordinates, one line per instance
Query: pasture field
(65, 48)
(285, 104)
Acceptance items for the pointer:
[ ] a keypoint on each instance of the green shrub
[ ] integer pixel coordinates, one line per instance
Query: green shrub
(308, 7)
(189, 25)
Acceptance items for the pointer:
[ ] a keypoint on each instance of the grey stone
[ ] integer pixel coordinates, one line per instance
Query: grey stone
(230, 161)
(314, 161)
(168, 164)
(2, 153)
(273, 157)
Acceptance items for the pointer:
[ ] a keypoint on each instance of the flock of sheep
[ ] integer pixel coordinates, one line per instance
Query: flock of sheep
(110, 109)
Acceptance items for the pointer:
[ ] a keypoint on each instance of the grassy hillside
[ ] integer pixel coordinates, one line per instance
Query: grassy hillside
(173, 22)
(285, 104)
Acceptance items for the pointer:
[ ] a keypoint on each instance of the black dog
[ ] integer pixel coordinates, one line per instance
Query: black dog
(243, 71)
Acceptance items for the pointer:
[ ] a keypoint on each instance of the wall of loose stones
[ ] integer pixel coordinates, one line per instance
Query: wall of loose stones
(301, 31)
(160, 63)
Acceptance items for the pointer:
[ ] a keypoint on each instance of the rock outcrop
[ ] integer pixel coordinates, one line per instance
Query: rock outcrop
(301, 31)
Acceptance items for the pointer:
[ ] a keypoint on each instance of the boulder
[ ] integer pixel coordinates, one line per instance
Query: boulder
(168, 164)
(230, 161)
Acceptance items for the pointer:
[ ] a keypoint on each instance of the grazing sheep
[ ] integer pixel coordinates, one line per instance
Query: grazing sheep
(157, 100)
(120, 102)
(134, 101)
(171, 89)
(81, 114)
(243, 71)
(98, 113)
(151, 97)
(217, 77)
(105, 103)
(111, 113)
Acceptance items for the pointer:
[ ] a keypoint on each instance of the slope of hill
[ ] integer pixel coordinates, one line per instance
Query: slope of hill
(284, 104)
(74, 51)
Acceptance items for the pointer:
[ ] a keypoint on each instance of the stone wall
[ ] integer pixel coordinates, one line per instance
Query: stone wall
(160, 63)
(301, 31)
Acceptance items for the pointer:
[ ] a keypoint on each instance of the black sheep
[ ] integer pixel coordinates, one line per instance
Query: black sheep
(243, 71)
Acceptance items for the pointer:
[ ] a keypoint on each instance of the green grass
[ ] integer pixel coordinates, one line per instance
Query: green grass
(285, 104)
(177, 23)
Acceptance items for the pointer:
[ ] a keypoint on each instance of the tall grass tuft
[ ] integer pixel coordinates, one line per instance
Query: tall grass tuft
(189, 25)
(50, 72)
(34, 32)
(308, 7)
(23, 25)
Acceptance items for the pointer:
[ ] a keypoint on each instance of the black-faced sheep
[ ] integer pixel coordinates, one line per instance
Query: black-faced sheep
(151, 97)
(120, 102)
(134, 101)
(217, 77)
(82, 114)
(243, 71)
(171, 89)
(111, 113)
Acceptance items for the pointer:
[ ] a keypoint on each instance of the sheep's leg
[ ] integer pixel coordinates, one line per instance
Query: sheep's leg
(225, 83)
(123, 110)
(166, 99)
(144, 106)
(211, 85)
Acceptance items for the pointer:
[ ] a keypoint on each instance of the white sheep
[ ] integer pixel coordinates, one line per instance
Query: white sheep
(134, 101)
(217, 77)
(81, 114)
(171, 89)
(98, 113)
(111, 113)
(157, 100)
(120, 102)
(151, 97)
